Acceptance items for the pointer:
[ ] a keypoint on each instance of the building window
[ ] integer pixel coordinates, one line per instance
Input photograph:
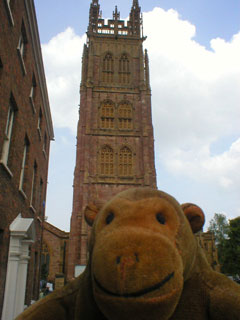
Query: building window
(107, 161)
(33, 189)
(124, 70)
(39, 125)
(125, 115)
(9, 7)
(125, 162)
(32, 94)
(8, 135)
(40, 198)
(45, 261)
(22, 46)
(107, 70)
(107, 116)
(45, 145)
(24, 168)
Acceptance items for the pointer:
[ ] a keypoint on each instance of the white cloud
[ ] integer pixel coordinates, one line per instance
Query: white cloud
(62, 60)
(195, 99)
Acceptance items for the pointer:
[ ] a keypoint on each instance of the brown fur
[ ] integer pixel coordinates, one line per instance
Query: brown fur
(144, 264)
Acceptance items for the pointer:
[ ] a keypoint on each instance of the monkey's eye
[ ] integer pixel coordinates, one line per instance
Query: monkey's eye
(109, 217)
(160, 218)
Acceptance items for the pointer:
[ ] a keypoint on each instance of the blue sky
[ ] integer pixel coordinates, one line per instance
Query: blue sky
(194, 49)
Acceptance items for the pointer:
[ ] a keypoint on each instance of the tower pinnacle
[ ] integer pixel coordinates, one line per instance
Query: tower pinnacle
(135, 18)
(135, 4)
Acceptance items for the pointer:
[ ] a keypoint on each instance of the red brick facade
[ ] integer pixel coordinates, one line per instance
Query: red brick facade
(56, 243)
(25, 132)
(115, 145)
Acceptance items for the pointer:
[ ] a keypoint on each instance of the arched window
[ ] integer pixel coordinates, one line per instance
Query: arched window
(107, 68)
(125, 162)
(124, 69)
(106, 161)
(125, 115)
(107, 116)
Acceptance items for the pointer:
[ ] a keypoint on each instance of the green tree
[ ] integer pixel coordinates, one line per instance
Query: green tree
(231, 250)
(228, 243)
(220, 227)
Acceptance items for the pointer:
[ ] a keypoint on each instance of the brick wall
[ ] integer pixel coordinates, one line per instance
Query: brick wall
(17, 76)
(56, 241)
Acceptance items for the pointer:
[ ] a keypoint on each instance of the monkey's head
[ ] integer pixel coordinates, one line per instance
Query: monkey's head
(142, 249)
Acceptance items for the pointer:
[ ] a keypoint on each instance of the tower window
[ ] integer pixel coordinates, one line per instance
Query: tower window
(125, 116)
(107, 69)
(107, 116)
(125, 162)
(106, 161)
(124, 70)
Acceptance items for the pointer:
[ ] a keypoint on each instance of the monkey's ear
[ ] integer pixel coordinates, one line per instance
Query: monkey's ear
(91, 211)
(194, 215)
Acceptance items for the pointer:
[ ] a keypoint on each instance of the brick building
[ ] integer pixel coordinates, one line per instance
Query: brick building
(54, 253)
(207, 242)
(115, 145)
(25, 133)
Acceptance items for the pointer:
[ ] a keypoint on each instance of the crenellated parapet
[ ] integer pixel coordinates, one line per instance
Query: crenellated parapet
(115, 26)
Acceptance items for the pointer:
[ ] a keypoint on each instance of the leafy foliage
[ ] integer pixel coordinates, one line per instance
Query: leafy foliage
(219, 226)
(228, 243)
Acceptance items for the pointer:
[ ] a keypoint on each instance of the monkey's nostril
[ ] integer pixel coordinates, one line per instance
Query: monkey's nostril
(118, 260)
(136, 256)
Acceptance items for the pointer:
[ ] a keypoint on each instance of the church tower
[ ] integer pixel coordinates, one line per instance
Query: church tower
(115, 145)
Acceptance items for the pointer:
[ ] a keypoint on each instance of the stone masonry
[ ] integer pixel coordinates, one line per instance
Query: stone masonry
(115, 144)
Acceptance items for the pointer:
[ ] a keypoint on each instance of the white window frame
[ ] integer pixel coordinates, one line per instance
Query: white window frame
(31, 97)
(25, 150)
(39, 125)
(34, 176)
(21, 49)
(7, 138)
(9, 12)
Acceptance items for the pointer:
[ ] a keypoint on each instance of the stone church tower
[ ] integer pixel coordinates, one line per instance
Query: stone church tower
(115, 145)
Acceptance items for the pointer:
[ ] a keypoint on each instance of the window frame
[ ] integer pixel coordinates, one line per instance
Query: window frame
(9, 12)
(108, 68)
(24, 167)
(32, 94)
(8, 137)
(110, 163)
(105, 118)
(39, 124)
(22, 48)
(127, 165)
(34, 188)
(122, 117)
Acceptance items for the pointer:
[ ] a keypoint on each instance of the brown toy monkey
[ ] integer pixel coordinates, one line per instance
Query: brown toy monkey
(144, 264)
